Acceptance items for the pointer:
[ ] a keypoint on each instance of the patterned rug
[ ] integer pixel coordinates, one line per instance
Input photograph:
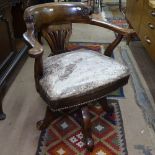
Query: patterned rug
(119, 21)
(64, 136)
(114, 16)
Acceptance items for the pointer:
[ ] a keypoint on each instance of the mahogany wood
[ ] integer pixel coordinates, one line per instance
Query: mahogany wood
(54, 21)
(86, 125)
(58, 37)
(110, 48)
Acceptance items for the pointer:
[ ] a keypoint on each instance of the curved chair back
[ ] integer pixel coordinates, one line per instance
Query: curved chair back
(57, 13)
(54, 21)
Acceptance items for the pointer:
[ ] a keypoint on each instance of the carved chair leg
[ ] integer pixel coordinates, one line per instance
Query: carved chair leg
(49, 117)
(107, 107)
(87, 129)
(2, 114)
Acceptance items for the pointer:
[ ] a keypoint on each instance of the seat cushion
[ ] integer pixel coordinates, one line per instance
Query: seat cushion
(78, 72)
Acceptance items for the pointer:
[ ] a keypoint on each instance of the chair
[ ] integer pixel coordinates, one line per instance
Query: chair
(70, 80)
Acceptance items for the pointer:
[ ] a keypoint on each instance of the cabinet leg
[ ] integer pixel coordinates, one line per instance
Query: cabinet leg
(2, 114)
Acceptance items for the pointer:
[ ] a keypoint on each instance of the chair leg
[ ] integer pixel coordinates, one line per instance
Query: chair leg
(49, 117)
(87, 129)
(107, 107)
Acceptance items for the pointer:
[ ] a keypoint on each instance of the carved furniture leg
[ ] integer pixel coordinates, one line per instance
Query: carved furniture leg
(87, 129)
(107, 107)
(49, 117)
(2, 114)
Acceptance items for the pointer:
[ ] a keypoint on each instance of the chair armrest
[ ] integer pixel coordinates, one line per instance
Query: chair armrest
(117, 29)
(121, 32)
(37, 49)
(128, 33)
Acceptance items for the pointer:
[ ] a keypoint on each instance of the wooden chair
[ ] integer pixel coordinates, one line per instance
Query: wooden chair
(68, 80)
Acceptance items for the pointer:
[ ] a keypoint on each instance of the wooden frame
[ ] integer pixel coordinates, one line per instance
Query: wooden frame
(53, 22)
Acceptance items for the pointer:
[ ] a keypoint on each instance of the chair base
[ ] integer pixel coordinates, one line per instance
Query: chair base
(84, 119)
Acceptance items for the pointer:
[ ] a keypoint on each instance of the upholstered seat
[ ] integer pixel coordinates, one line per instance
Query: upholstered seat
(76, 73)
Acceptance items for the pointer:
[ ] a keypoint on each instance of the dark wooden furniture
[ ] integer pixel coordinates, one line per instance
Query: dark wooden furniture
(141, 16)
(69, 80)
(12, 46)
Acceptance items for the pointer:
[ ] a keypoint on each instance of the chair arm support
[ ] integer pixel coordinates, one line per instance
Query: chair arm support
(36, 49)
(128, 33)
(29, 37)
(111, 47)
(123, 31)
(35, 52)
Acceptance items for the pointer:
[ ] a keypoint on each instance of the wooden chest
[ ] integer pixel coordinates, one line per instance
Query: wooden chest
(141, 15)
